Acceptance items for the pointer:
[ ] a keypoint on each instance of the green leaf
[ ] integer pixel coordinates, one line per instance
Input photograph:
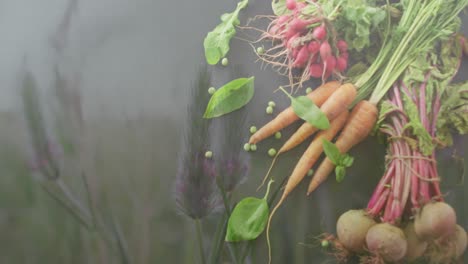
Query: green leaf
(279, 7)
(340, 173)
(425, 143)
(306, 109)
(216, 42)
(347, 160)
(230, 97)
(332, 152)
(248, 220)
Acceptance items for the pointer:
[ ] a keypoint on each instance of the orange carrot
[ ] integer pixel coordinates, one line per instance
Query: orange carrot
(359, 125)
(308, 160)
(333, 106)
(287, 117)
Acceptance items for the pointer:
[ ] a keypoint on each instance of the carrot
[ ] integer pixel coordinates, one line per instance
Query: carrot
(308, 160)
(359, 125)
(333, 106)
(287, 117)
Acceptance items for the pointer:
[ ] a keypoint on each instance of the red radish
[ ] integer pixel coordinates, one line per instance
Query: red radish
(282, 20)
(298, 25)
(320, 32)
(299, 7)
(291, 40)
(291, 4)
(316, 70)
(314, 46)
(387, 241)
(325, 50)
(341, 64)
(435, 220)
(301, 58)
(330, 64)
(345, 55)
(314, 58)
(294, 53)
(342, 45)
(274, 30)
(352, 227)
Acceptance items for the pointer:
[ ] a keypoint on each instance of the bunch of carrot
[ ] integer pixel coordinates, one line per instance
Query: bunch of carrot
(334, 100)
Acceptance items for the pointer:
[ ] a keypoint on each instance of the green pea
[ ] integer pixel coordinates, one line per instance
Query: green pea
(308, 90)
(269, 110)
(211, 90)
(325, 243)
(253, 129)
(272, 104)
(208, 154)
(272, 152)
(247, 147)
(253, 147)
(260, 50)
(278, 135)
(310, 172)
(224, 62)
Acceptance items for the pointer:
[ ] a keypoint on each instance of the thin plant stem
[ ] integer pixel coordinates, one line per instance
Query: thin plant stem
(218, 239)
(227, 206)
(198, 229)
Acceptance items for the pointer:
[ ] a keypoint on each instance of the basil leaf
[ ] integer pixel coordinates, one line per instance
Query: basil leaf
(340, 173)
(332, 152)
(306, 109)
(279, 7)
(248, 220)
(216, 42)
(232, 96)
(347, 160)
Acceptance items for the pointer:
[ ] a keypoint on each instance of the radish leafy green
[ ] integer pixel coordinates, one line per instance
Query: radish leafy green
(216, 42)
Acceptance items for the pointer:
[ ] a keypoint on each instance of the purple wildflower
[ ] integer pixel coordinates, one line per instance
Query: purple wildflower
(196, 192)
(232, 161)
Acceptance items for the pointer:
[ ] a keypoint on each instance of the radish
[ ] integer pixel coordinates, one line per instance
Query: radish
(274, 30)
(320, 32)
(314, 58)
(294, 53)
(298, 25)
(290, 41)
(302, 57)
(330, 64)
(341, 63)
(291, 4)
(435, 220)
(325, 50)
(316, 70)
(387, 241)
(345, 55)
(342, 45)
(282, 20)
(416, 246)
(352, 227)
(314, 46)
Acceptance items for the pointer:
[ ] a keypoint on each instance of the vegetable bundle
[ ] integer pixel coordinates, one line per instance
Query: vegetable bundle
(315, 37)
(405, 54)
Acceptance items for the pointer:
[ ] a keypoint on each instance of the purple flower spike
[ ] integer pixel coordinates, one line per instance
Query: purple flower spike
(196, 192)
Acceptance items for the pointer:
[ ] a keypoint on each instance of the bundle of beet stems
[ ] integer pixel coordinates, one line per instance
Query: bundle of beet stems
(406, 218)
(422, 23)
